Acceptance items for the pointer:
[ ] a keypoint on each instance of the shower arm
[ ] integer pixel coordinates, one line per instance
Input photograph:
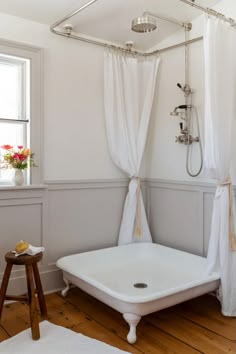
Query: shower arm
(188, 26)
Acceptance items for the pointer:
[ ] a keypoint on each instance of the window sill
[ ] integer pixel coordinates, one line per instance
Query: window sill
(24, 187)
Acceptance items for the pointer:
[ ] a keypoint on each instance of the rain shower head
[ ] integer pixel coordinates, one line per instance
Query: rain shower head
(143, 24)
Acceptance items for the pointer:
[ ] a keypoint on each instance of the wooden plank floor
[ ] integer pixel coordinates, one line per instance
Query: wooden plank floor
(195, 326)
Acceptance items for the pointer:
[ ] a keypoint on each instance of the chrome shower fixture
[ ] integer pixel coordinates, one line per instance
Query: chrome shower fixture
(143, 24)
(147, 23)
(185, 112)
(176, 111)
(68, 29)
(186, 89)
(185, 138)
(129, 45)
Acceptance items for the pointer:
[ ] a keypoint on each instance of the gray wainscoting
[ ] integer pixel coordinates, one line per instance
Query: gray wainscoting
(84, 216)
(67, 217)
(179, 214)
(23, 216)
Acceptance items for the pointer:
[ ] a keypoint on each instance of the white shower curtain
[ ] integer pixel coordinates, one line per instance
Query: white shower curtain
(220, 110)
(129, 84)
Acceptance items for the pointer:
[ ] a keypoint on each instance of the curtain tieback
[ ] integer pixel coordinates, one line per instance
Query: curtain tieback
(137, 221)
(232, 235)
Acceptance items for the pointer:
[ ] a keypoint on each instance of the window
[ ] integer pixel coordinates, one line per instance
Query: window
(20, 104)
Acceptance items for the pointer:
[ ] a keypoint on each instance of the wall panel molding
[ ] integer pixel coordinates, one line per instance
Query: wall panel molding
(177, 220)
(87, 184)
(23, 216)
(76, 216)
(63, 216)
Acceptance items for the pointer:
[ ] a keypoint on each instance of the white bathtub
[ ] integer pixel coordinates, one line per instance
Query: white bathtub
(170, 277)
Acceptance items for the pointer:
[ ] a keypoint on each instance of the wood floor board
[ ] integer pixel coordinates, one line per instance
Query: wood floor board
(99, 311)
(106, 316)
(95, 330)
(63, 313)
(192, 334)
(3, 334)
(193, 327)
(15, 318)
(205, 311)
(156, 341)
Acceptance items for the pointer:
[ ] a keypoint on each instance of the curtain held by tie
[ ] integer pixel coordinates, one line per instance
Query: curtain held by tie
(129, 84)
(220, 110)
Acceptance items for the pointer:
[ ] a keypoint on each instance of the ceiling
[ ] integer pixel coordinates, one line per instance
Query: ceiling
(108, 20)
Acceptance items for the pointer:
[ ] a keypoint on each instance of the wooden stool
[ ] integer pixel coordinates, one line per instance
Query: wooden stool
(32, 276)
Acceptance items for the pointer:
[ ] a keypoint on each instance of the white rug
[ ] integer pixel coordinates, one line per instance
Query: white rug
(55, 339)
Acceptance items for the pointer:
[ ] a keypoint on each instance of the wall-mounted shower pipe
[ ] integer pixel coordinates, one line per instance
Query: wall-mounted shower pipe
(188, 96)
(186, 66)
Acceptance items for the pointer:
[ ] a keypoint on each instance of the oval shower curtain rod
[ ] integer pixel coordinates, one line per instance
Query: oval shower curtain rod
(68, 29)
(209, 11)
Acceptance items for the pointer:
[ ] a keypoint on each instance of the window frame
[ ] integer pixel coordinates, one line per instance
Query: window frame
(23, 110)
(35, 109)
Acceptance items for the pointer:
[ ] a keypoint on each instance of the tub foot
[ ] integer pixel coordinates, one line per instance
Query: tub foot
(67, 288)
(132, 320)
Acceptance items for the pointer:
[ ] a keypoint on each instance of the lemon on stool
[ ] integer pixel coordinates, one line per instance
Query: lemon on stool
(21, 247)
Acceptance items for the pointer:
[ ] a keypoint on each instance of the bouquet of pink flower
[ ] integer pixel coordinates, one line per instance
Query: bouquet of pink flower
(20, 158)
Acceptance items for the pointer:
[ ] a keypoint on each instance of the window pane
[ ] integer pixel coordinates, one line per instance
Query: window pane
(9, 91)
(10, 134)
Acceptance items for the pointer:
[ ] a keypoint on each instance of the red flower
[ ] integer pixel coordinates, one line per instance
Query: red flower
(17, 158)
(7, 147)
(20, 157)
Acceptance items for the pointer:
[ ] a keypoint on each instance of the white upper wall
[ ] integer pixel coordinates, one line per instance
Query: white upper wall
(74, 142)
(108, 20)
(166, 159)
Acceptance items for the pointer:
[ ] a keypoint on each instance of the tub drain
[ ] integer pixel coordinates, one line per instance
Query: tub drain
(140, 285)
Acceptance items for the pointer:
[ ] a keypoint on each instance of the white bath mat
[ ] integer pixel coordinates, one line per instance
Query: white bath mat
(55, 340)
